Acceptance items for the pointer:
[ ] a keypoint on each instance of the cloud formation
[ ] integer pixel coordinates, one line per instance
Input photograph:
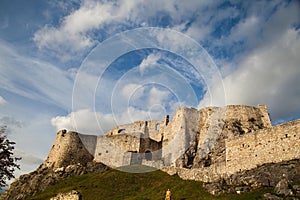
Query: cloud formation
(148, 62)
(33, 78)
(268, 75)
(84, 121)
(76, 32)
(2, 101)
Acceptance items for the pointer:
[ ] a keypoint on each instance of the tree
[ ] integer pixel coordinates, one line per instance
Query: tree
(7, 160)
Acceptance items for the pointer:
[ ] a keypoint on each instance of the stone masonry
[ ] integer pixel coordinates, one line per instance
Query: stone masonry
(204, 145)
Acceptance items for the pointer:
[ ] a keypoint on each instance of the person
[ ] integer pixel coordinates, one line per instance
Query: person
(168, 195)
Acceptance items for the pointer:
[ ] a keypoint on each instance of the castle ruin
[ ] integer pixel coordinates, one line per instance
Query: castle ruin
(204, 145)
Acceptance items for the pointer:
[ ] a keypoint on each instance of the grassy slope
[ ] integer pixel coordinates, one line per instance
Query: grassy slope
(115, 184)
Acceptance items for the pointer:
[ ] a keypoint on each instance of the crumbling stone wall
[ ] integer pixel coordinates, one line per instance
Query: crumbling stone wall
(219, 124)
(205, 144)
(148, 129)
(271, 145)
(179, 135)
(248, 151)
(67, 149)
(109, 154)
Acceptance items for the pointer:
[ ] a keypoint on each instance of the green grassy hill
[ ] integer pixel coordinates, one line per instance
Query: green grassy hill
(114, 184)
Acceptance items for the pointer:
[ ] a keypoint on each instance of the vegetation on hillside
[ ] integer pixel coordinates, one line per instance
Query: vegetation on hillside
(115, 184)
(7, 160)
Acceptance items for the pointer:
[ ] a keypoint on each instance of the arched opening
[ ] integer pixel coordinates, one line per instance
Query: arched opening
(148, 155)
(157, 127)
(121, 130)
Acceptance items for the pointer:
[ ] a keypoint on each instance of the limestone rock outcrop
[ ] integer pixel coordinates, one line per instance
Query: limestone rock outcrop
(73, 195)
(67, 157)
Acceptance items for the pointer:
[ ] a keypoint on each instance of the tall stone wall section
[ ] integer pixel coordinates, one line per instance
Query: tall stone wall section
(89, 141)
(272, 145)
(67, 149)
(179, 134)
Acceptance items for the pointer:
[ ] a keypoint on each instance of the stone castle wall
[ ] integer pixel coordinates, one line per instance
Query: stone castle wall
(107, 153)
(272, 145)
(204, 145)
(150, 128)
(179, 134)
(68, 149)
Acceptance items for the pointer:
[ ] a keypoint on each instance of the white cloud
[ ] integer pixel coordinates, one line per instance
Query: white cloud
(73, 28)
(157, 97)
(85, 121)
(2, 101)
(92, 122)
(32, 78)
(268, 75)
(148, 62)
(132, 90)
(74, 33)
(246, 29)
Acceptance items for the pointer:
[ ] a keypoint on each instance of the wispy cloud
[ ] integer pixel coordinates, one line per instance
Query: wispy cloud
(81, 29)
(268, 75)
(2, 101)
(34, 79)
(11, 122)
(148, 62)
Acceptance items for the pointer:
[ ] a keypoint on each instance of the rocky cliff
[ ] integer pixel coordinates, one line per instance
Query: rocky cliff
(67, 157)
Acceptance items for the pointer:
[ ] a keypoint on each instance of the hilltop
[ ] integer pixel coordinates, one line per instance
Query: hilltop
(230, 149)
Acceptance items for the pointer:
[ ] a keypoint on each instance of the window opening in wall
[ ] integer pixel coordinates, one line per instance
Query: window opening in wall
(157, 127)
(106, 151)
(148, 155)
(286, 135)
(121, 130)
(207, 162)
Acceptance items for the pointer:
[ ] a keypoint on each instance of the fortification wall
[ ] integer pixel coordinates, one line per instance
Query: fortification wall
(149, 129)
(270, 145)
(89, 142)
(236, 138)
(110, 154)
(67, 149)
(276, 144)
(247, 113)
(126, 142)
(265, 115)
(217, 124)
(179, 134)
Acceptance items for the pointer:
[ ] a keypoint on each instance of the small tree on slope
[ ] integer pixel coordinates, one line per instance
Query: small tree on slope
(7, 160)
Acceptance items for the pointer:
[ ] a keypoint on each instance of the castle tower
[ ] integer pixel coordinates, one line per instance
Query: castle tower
(265, 116)
(67, 149)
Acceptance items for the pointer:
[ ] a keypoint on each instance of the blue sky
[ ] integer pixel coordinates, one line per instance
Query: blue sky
(54, 69)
